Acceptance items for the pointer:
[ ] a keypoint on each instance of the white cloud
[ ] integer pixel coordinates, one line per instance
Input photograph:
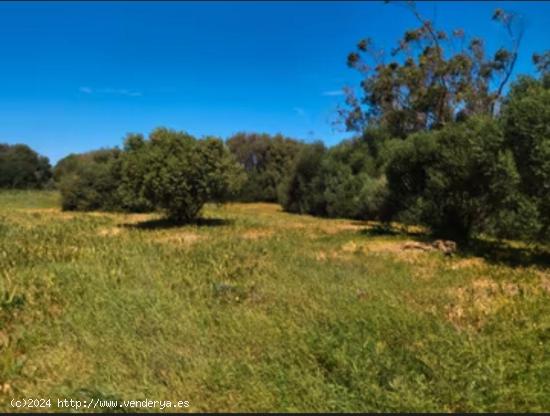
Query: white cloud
(114, 91)
(333, 93)
(300, 111)
(111, 91)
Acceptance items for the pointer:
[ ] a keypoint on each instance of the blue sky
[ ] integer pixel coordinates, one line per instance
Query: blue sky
(77, 76)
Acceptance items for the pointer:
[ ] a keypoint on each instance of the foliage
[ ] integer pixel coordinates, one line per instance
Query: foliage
(526, 125)
(542, 63)
(21, 168)
(373, 197)
(343, 181)
(133, 170)
(435, 77)
(458, 180)
(175, 172)
(67, 166)
(266, 160)
(302, 190)
(345, 169)
(90, 181)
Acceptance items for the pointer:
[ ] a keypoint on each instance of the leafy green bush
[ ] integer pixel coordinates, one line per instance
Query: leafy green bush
(344, 181)
(354, 185)
(21, 168)
(133, 167)
(341, 189)
(459, 181)
(90, 181)
(266, 160)
(177, 173)
(372, 200)
(526, 124)
(302, 192)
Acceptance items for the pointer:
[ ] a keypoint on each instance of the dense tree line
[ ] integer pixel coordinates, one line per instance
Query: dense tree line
(170, 171)
(266, 160)
(89, 181)
(482, 174)
(438, 142)
(23, 168)
(177, 173)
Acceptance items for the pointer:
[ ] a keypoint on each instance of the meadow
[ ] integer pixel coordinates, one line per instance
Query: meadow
(254, 309)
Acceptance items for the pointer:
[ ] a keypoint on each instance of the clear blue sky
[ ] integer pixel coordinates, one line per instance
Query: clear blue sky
(77, 76)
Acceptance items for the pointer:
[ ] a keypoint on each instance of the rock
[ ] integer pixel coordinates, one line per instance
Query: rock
(448, 247)
(413, 245)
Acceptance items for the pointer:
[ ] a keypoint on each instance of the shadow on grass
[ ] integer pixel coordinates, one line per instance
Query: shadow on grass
(493, 251)
(502, 253)
(389, 230)
(163, 223)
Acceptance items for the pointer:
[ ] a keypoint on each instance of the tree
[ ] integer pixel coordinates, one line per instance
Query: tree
(526, 125)
(66, 166)
(177, 173)
(133, 170)
(460, 181)
(266, 160)
(21, 167)
(344, 181)
(346, 169)
(542, 63)
(435, 77)
(90, 181)
(302, 191)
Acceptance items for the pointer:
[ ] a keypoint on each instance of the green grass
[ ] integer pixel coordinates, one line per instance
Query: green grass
(258, 310)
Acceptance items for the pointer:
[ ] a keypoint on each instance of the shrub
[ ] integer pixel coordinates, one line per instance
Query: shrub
(67, 166)
(341, 189)
(178, 174)
(302, 192)
(459, 181)
(266, 160)
(350, 171)
(344, 181)
(526, 124)
(132, 168)
(372, 199)
(90, 181)
(21, 167)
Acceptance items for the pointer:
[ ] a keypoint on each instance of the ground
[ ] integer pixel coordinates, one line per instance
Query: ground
(253, 309)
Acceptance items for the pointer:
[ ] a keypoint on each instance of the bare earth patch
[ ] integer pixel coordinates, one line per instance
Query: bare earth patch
(184, 238)
(256, 234)
(350, 247)
(474, 303)
(332, 255)
(408, 251)
(59, 361)
(122, 218)
(474, 262)
(331, 227)
(366, 247)
(109, 232)
(135, 218)
(545, 283)
(397, 247)
(417, 254)
(54, 212)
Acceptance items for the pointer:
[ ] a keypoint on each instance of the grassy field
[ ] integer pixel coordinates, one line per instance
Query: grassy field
(253, 309)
